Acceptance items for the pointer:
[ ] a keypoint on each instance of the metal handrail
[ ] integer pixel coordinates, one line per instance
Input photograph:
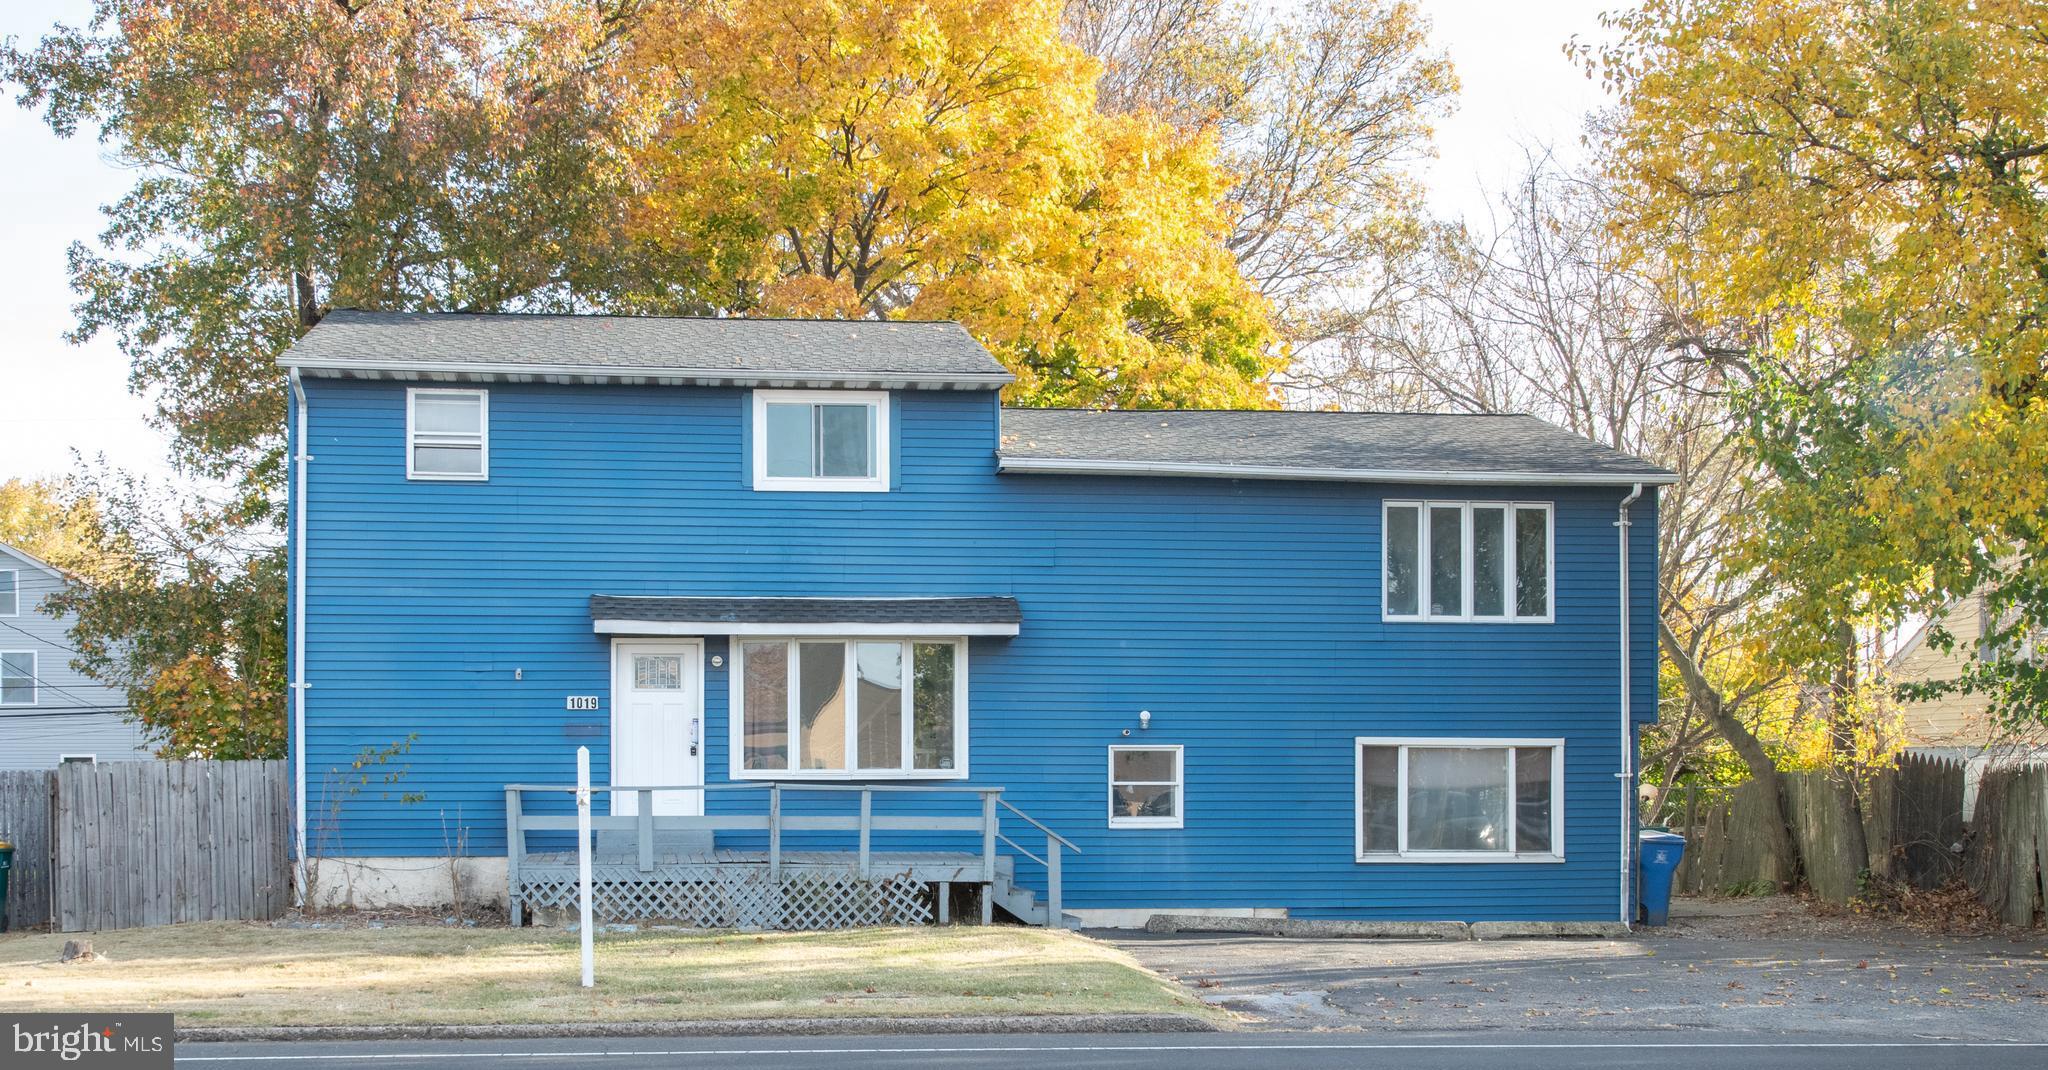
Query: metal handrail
(1033, 822)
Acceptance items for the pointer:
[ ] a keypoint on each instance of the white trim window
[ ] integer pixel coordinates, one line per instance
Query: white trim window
(847, 708)
(10, 592)
(447, 434)
(1459, 800)
(17, 677)
(834, 440)
(1145, 787)
(1468, 561)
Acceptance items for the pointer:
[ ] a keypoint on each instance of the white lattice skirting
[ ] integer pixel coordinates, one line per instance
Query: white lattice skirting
(742, 897)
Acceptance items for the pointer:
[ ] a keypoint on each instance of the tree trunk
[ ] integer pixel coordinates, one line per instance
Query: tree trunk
(1771, 790)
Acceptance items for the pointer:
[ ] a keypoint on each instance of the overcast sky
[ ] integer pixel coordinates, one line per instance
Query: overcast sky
(55, 398)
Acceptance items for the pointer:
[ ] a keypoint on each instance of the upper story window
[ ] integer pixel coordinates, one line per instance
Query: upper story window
(841, 708)
(17, 677)
(447, 434)
(1467, 561)
(821, 440)
(10, 592)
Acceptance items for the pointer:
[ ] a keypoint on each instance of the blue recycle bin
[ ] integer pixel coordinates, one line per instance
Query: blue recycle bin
(1656, 863)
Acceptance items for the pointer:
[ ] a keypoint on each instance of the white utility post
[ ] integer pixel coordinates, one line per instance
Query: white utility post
(583, 858)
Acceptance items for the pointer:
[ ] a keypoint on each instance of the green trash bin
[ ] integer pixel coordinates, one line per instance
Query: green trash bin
(6, 863)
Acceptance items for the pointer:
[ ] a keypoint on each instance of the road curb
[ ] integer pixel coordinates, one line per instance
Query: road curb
(1310, 927)
(735, 1027)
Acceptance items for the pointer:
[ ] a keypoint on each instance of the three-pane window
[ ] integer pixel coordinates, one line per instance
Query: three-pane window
(447, 434)
(1145, 787)
(17, 677)
(820, 440)
(1474, 561)
(842, 707)
(1460, 800)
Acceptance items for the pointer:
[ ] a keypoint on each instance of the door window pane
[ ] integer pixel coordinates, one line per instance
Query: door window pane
(1403, 547)
(1532, 562)
(821, 705)
(1457, 799)
(1380, 799)
(1447, 560)
(843, 441)
(657, 672)
(1532, 799)
(765, 730)
(932, 705)
(1489, 561)
(880, 709)
(790, 441)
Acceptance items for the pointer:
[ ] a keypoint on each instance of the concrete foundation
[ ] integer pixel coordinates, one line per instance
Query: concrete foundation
(370, 882)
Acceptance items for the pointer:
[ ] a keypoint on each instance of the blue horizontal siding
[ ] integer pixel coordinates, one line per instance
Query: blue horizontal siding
(1243, 614)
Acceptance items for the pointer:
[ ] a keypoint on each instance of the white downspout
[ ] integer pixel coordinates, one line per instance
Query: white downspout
(1628, 750)
(298, 684)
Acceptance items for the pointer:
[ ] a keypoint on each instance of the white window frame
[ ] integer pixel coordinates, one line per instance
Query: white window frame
(878, 403)
(1422, 575)
(482, 439)
(1180, 779)
(735, 711)
(83, 759)
(35, 690)
(14, 574)
(1403, 743)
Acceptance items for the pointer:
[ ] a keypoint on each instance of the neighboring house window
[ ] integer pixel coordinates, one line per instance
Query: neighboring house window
(1460, 800)
(78, 759)
(821, 440)
(1467, 561)
(1145, 787)
(447, 434)
(10, 592)
(827, 708)
(17, 677)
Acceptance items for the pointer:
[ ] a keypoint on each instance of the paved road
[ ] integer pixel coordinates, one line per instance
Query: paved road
(1259, 1051)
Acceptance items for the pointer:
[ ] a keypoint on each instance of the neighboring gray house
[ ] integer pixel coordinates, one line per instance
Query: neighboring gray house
(48, 711)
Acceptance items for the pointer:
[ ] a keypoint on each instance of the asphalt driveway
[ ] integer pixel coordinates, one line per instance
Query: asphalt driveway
(1768, 970)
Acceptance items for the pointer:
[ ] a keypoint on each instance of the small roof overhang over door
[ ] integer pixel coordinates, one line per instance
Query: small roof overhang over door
(661, 615)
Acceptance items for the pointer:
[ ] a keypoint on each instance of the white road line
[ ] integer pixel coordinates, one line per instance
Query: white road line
(1100, 1048)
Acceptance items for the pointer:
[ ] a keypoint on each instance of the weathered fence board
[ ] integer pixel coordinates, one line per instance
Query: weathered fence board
(25, 822)
(156, 843)
(2010, 850)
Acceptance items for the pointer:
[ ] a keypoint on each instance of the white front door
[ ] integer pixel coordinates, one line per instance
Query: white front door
(657, 723)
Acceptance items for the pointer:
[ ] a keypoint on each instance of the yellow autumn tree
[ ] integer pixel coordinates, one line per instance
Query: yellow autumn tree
(920, 159)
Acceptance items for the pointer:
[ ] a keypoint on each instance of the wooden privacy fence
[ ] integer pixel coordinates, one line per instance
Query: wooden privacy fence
(25, 822)
(128, 844)
(2008, 857)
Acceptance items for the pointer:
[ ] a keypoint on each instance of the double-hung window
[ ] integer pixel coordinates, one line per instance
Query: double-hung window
(447, 434)
(1460, 800)
(842, 708)
(1467, 561)
(17, 677)
(1145, 787)
(10, 592)
(821, 440)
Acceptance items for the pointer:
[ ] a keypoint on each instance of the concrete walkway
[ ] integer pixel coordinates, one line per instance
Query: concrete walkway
(1744, 967)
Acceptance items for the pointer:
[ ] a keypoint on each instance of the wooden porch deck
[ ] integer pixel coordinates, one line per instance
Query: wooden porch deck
(668, 866)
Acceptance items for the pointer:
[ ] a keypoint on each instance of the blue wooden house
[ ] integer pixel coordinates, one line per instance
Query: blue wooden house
(848, 640)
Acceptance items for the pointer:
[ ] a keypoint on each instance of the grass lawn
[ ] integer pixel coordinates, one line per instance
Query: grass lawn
(226, 973)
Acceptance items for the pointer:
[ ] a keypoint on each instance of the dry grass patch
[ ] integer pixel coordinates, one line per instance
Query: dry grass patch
(243, 974)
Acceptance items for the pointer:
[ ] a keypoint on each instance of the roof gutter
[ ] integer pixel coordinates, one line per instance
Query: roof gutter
(460, 370)
(1082, 466)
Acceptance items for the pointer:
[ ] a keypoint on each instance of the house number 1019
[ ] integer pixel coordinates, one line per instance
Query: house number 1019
(582, 702)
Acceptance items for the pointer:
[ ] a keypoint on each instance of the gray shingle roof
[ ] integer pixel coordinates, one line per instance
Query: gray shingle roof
(658, 609)
(679, 349)
(1364, 446)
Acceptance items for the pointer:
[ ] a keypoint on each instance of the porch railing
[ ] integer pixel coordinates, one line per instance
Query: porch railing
(776, 822)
